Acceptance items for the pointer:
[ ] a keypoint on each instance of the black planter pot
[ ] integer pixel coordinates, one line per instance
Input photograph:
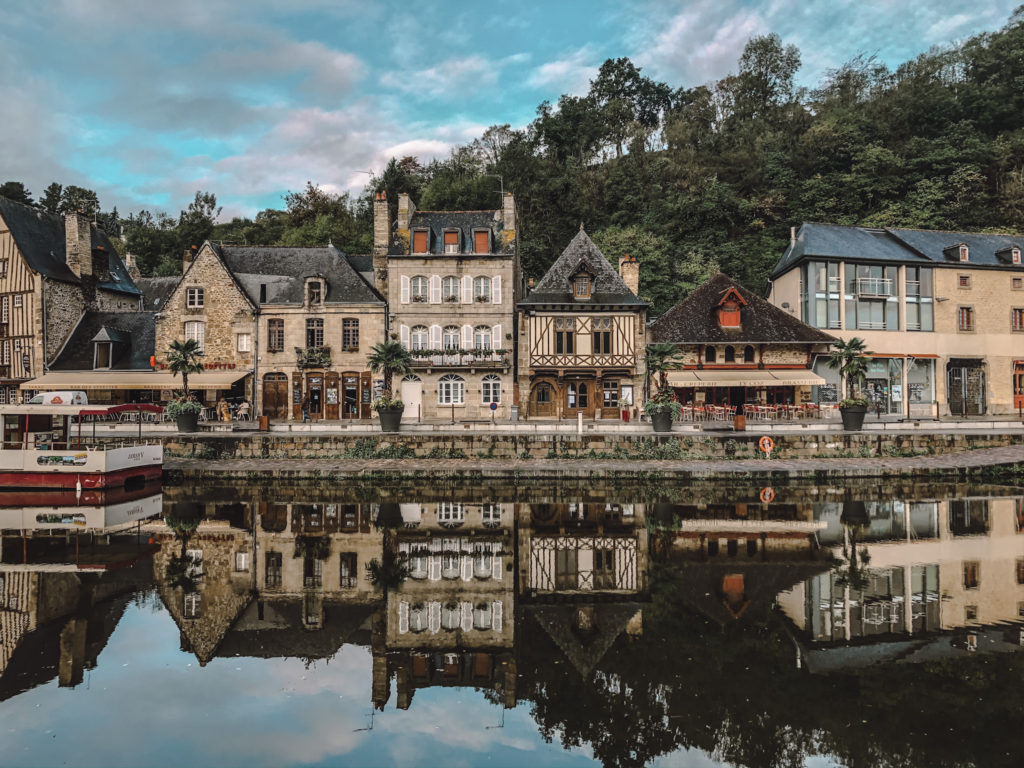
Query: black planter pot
(853, 416)
(662, 422)
(187, 422)
(390, 419)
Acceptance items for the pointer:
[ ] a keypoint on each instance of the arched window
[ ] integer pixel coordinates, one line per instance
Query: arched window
(450, 616)
(491, 389)
(482, 337)
(748, 354)
(418, 337)
(450, 565)
(418, 565)
(418, 288)
(482, 289)
(451, 390)
(709, 354)
(450, 337)
(730, 354)
(482, 561)
(482, 616)
(450, 289)
(418, 617)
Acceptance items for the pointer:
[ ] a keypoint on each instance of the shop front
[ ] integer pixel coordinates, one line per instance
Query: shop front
(326, 394)
(744, 387)
(134, 386)
(886, 386)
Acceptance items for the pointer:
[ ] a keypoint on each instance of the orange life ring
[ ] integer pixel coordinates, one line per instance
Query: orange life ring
(766, 444)
(767, 495)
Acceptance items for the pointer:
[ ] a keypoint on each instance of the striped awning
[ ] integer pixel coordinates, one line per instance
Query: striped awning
(75, 380)
(744, 378)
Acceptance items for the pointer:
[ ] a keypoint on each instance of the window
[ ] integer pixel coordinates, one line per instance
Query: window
(102, 354)
(450, 616)
(972, 577)
(418, 337)
(710, 355)
(451, 241)
(18, 298)
(964, 253)
(450, 337)
(350, 334)
(312, 572)
(966, 318)
(963, 281)
(491, 389)
(275, 335)
(3, 268)
(1017, 318)
(451, 390)
(1020, 570)
(610, 394)
(314, 333)
(543, 394)
(243, 342)
(450, 289)
(730, 354)
(482, 289)
(577, 395)
(1018, 283)
(316, 292)
(748, 354)
(602, 335)
(565, 335)
(481, 242)
(263, 293)
(604, 568)
(482, 338)
(348, 570)
(418, 618)
(419, 241)
(491, 515)
(451, 513)
(241, 562)
(418, 288)
(970, 613)
(482, 616)
(581, 287)
(196, 331)
(193, 605)
(193, 297)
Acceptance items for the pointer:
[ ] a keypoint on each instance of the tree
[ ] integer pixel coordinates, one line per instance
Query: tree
(15, 190)
(766, 77)
(50, 201)
(625, 100)
(850, 359)
(184, 357)
(196, 222)
(78, 199)
(659, 359)
(392, 359)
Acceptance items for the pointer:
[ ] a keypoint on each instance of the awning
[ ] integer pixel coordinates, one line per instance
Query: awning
(759, 378)
(74, 380)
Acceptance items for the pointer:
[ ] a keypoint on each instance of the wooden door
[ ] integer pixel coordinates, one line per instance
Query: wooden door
(275, 396)
(365, 394)
(316, 395)
(350, 396)
(332, 395)
(579, 398)
(543, 400)
(297, 396)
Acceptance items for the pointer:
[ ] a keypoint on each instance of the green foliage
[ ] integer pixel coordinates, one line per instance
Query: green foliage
(316, 547)
(391, 359)
(184, 357)
(16, 191)
(850, 359)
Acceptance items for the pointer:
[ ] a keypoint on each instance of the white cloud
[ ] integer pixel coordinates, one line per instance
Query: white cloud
(570, 74)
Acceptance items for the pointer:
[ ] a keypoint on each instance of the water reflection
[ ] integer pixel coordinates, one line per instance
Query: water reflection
(631, 623)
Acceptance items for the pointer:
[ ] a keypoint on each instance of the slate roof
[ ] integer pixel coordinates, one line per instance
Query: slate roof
(892, 246)
(463, 221)
(156, 291)
(281, 632)
(694, 320)
(585, 652)
(138, 328)
(41, 240)
(283, 270)
(608, 287)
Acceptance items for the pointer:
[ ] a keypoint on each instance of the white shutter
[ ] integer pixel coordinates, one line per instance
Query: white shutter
(467, 337)
(435, 567)
(435, 337)
(403, 618)
(435, 289)
(467, 290)
(437, 545)
(496, 289)
(497, 340)
(405, 289)
(496, 563)
(403, 335)
(467, 617)
(434, 618)
(467, 567)
(496, 616)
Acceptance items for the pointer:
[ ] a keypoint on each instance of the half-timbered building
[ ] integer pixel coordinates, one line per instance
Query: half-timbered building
(581, 332)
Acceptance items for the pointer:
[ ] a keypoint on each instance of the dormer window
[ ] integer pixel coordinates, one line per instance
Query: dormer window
(1015, 255)
(481, 241)
(451, 241)
(729, 309)
(315, 292)
(103, 354)
(194, 298)
(420, 241)
(964, 252)
(581, 286)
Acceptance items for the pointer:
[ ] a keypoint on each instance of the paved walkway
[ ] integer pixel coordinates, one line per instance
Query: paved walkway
(946, 464)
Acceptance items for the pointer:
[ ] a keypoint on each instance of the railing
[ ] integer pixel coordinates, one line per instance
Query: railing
(569, 361)
(870, 325)
(913, 287)
(460, 359)
(835, 284)
(73, 443)
(313, 357)
(874, 286)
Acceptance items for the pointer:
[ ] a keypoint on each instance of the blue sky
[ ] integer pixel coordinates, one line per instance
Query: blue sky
(147, 102)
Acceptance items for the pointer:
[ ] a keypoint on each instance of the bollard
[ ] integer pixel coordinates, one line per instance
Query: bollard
(579, 423)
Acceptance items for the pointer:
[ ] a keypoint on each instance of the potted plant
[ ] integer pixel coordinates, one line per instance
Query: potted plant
(850, 359)
(662, 409)
(391, 359)
(184, 357)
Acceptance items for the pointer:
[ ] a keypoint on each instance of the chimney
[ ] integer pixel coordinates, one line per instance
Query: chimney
(381, 240)
(188, 257)
(78, 244)
(629, 270)
(508, 212)
(406, 210)
(792, 235)
(132, 266)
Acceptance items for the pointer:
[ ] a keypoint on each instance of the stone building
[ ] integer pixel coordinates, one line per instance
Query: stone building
(451, 278)
(736, 348)
(54, 271)
(582, 336)
(943, 313)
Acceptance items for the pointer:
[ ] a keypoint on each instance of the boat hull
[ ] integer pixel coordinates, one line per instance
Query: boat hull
(119, 478)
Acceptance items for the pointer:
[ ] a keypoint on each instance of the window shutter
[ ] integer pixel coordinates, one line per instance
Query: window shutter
(419, 242)
(496, 615)
(467, 337)
(467, 290)
(434, 618)
(496, 563)
(405, 289)
(403, 618)
(496, 289)
(467, 617)
(467, 567)
(403, 335)
(435, 289)
(435, 337)
(435, 567)
(482, 244)
(497, 340)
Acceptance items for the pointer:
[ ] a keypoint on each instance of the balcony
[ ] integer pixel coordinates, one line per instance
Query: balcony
(479, 358)
(313, 357)
(874, 288)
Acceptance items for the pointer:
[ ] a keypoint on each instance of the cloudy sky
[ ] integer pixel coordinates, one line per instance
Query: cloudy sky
(147, 102)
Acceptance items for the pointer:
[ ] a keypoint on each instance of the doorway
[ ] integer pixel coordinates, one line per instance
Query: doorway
(543, 400)
(579, 398)
(350, 396)
(965, 387)
(275, 396)
(315, 393)
(412, 396)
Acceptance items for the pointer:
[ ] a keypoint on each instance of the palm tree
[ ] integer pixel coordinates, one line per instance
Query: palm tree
(183, 357)
(850, 358)
(391, 359)
(659, 359)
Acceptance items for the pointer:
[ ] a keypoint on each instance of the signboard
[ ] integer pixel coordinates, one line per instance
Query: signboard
(332, 396)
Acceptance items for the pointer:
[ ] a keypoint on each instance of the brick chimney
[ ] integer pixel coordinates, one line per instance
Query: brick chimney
(132, 265)
(78, 244)
(406, 210)
(629, 270)
(508, 212)
(188, 257)
(381, 240)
